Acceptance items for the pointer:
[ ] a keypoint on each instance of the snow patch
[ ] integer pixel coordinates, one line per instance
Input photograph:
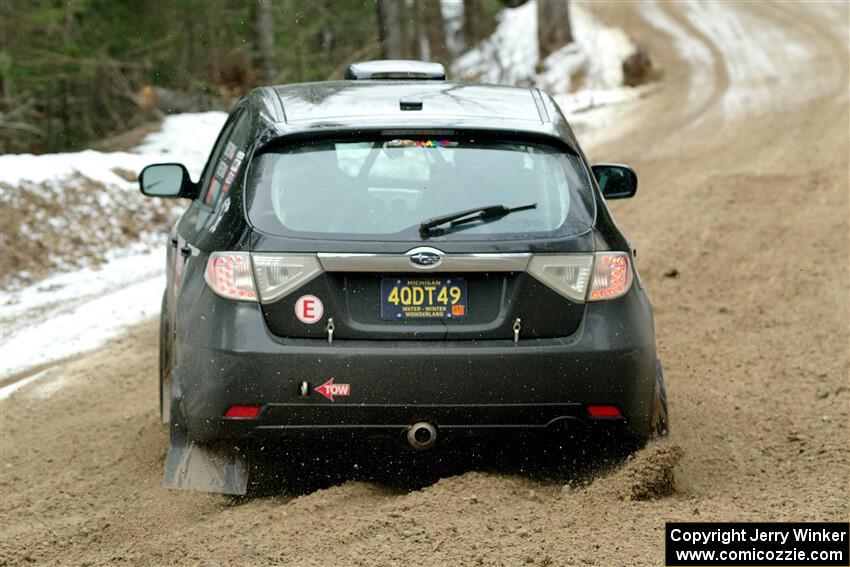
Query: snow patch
(36, 303)
(694, 51)
(756, 67)
(582, 75)
(60, 331)
(509, 55)
(184, 138)
(10, 389)
(758, 57)
(46, 388)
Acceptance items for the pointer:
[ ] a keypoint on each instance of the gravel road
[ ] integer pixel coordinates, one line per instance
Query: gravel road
(742, 151)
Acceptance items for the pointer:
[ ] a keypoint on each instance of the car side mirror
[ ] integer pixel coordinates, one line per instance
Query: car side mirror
(167, 180)
(615, 181)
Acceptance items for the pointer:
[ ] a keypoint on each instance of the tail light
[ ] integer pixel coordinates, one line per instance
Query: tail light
(612, 276)
(245, 277)
(279, 274)
(268, 277)
(568, 274)
(229, 275)
(606, 274)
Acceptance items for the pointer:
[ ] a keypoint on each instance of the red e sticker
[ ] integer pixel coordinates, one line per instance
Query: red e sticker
(309, 309)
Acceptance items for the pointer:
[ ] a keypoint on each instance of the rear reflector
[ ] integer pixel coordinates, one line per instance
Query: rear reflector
(242, 411)
(603, 411)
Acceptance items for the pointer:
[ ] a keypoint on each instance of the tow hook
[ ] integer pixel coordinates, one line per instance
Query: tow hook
(517, 329)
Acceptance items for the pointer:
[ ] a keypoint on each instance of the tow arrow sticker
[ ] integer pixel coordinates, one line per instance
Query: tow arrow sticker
(329, 389)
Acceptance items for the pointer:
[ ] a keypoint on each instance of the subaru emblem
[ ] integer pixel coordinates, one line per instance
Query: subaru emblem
(425, 258)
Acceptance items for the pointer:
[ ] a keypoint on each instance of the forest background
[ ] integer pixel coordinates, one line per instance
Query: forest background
(72, 72)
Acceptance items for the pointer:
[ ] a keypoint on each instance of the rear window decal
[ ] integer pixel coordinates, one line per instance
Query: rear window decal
(221, 169)
(421, 144)
(221, 210)
(230, 150)
(213, 190)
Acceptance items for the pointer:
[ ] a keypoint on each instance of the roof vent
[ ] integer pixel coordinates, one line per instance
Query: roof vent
(395, 70)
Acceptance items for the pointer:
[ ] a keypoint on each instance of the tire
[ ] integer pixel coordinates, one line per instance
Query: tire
(164, 371)
(660, 417)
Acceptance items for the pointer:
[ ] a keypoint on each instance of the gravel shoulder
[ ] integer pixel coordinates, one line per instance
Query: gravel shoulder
(747, 201)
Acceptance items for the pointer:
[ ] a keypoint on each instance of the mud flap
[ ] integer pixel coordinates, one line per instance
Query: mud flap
(660, 420)
(218, 467)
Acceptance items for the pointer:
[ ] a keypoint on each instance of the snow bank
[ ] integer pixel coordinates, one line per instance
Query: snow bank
(83, 201)
(585, 74)
(178, 140)
(73, 210)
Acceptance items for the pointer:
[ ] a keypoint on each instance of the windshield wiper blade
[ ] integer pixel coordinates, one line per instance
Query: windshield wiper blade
(471, 215)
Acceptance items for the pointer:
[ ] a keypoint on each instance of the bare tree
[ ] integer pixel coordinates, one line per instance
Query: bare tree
(413, 18)
(474, 21)
(435, 31)
(453, 26)
(389, 29)
(264, 32)
(553, 26)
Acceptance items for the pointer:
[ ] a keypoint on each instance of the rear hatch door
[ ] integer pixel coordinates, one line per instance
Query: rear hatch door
(360, 206)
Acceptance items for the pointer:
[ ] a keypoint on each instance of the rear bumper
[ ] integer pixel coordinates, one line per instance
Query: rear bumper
(459, 386)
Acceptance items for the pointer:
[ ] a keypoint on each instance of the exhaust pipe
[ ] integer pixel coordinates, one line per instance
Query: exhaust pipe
(422, 436)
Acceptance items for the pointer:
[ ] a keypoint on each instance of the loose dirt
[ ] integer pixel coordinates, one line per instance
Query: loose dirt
(749, 209)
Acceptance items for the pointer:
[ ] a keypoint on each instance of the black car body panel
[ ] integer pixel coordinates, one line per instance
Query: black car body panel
(501, 298)
(455, 384)
(480, 374)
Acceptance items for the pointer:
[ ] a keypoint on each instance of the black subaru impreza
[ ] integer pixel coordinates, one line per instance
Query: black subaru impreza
(398, 255)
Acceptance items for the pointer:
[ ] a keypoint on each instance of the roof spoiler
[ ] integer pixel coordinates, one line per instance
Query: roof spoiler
(395, 69)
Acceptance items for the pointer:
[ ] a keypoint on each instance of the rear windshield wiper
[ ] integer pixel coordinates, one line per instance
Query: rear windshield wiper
(471, 215)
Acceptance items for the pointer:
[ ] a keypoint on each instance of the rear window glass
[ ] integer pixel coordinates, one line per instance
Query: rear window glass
(385, 188)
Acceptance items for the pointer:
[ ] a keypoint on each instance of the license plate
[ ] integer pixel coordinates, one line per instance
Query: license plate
(423, 298)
